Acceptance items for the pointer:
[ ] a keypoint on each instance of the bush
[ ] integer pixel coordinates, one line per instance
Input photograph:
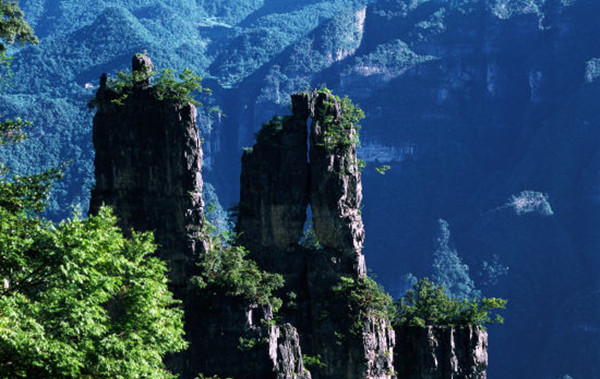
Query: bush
(164, 84)
(340, 132)
(225, 269)
(366, 296)
(429, 304)
(271, 129)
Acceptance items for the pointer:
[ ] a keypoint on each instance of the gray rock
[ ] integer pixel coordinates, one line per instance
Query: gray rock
(148, 167)
(436, 352)
(285, 171)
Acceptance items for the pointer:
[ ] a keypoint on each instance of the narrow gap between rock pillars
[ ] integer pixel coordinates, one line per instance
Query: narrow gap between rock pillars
(308, 238)
(308, 229)
(308, 126)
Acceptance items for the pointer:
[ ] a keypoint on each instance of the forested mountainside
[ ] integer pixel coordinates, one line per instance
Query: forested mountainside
(485, 112)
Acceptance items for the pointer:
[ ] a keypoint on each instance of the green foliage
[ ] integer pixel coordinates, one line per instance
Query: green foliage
(165, 86)
(26, 193)
(80, 300)
(391, 58)
(382, 169)
(340, 130)
(11, 131)
(361, 164)
(309, 239)
(246, 344)
(365, 296)
(13, 28)
(271, 129)
(448, 269)
(313, 361)
(225, 269)
(286, 25)
(429, 304)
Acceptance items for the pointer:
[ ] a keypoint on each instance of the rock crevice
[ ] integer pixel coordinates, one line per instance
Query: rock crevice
(277, 186)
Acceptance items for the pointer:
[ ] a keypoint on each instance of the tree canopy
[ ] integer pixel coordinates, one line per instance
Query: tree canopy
(13, 28)
(78, 299)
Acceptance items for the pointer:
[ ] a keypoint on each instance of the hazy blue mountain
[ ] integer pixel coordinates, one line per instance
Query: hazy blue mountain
(486, 112)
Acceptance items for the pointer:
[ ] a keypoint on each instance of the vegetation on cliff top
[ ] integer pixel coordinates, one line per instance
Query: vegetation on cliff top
(340, 118)
(429, 304)
(365, 296)
(164, 84)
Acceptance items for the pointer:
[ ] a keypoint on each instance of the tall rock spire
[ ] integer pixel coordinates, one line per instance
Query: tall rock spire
(292, 165)
(148, 167)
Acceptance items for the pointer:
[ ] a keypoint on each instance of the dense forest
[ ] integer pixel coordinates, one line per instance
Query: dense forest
(480, 116)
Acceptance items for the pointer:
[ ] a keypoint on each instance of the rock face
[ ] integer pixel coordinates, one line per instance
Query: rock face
(441, 353)
(274, 181)
(148, 167)
(234, 339)
(277, 185)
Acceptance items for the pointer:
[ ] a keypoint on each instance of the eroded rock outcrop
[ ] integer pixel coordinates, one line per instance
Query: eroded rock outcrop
(350, 341)
(441, 352)
(148, 168)
(235, 339)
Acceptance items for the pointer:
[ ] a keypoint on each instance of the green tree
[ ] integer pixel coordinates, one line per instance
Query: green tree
(77, 300)
(429, 304)
(13, 28)
(226, 270)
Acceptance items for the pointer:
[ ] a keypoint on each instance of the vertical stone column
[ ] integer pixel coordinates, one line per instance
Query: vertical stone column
(274, 190)
(335, 187)
(148, 168)
(278, 180)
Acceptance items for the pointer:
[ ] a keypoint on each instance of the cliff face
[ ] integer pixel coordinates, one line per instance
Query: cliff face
(148, 167)
(441, 353)
(287, 170)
